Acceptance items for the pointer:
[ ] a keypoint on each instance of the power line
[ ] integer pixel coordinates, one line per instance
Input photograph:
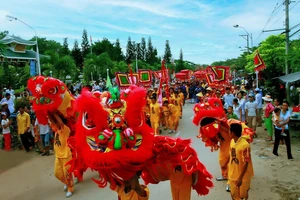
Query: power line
(278, 18)
(284, 13)
(272, 15)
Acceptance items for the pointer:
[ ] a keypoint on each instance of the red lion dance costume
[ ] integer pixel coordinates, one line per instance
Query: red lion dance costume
(214, 129)
(52, 95)
(113, 139)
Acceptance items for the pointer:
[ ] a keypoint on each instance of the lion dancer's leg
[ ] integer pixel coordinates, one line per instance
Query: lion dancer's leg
(223, 161)
(181, 185)
(61, 173)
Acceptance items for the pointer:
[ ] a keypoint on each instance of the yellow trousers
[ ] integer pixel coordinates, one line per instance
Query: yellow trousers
(155, 126)
(223, 164)
(181, 186)
(241, 192)
(173, 122)
(61, 172)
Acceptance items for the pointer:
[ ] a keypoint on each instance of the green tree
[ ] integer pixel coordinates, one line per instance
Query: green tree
(294, 56)
(77, 56)
(139, 51)
(168, 54)
(46, 47)
(129, 51)
(96, 67)
(118, 54)
(85, 46)
(151, 53)
(3, 34)
(180, 65)
(64, 66)
(143, 50)
(104, 46)
(64, 51)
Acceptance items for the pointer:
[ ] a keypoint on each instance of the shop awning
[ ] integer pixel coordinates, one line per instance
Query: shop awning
(290, 77)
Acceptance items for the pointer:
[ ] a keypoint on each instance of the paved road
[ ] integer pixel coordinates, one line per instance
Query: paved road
(33, 178)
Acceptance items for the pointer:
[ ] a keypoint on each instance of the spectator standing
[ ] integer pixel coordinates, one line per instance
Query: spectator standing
(242, 103)
(10, 90)
(9, 101)
(268, 116)
(237, 109)
(251, 113)
(228, 98)
(285, 115)
(4, 108)
(44, 132)
(258, 100)
(5, 123)
(23, 121)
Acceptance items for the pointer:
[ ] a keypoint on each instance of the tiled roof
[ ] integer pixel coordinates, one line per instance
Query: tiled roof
(14, 39)
(28, 55)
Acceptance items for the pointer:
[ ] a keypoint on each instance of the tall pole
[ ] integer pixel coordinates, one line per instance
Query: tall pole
(287, 46)
(248, 43)
(38, 66)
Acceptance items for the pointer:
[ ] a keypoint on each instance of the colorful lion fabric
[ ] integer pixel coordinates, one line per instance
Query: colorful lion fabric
(214, 126)
(113, 139)
(51, 95)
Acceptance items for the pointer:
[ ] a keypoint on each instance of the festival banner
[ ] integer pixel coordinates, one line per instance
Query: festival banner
(221, 74)
(143, 78)
(259, 64)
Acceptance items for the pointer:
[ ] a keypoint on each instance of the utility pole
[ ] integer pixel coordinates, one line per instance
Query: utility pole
(287, 45)
(246, 37)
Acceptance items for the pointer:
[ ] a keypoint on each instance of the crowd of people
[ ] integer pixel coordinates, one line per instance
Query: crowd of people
(163, 111)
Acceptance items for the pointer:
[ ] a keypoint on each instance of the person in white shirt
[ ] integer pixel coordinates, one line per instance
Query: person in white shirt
(242, 103)
(251, 113)
(228, 98)
(5, 123)
(9, 101)
(10, 91)
(44, 131)
(258, 100)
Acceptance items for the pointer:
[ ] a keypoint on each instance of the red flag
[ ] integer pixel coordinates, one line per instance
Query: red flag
(259, 64)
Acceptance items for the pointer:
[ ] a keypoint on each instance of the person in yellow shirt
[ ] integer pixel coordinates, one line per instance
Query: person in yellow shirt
(181, 96)
(23, 121)
(177, 102)
(132, 190)
(240, 169)
(62, 153)
(172, 114)
(164, 115)
(154, 114)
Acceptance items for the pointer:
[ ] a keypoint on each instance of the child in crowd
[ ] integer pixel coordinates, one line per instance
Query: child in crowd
(251, 113)
(154, 114)
(277, 119)
(172, 114)
(231, 114)
(5, 123)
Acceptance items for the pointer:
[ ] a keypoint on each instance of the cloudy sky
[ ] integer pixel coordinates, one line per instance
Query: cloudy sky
(202, 28)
